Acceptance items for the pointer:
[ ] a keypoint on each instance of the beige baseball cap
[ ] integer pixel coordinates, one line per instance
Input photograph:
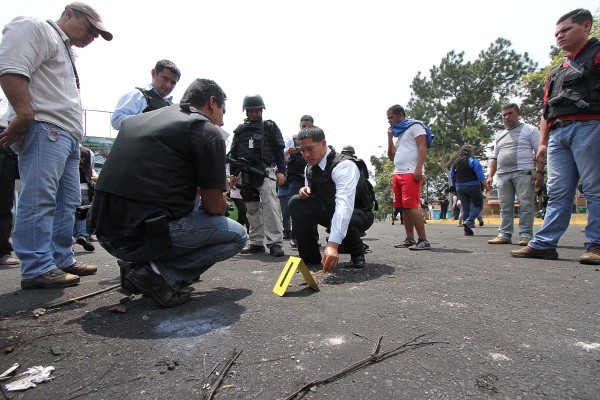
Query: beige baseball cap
(92, 16)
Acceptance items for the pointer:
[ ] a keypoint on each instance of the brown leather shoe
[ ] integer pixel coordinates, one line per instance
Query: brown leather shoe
(524, 241)
(530, 252)
(591, 256)
(80, 269)
(500, 240)
(54, 278)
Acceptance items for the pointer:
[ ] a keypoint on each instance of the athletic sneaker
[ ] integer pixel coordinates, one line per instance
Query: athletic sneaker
(422, 244)
(407, 243)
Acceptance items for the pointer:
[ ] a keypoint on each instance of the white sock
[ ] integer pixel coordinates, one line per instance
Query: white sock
(153, 266)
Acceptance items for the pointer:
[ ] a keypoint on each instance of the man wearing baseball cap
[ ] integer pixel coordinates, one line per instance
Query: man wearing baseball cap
(39, 77)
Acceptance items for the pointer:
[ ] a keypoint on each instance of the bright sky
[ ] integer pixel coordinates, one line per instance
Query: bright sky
(343, 62)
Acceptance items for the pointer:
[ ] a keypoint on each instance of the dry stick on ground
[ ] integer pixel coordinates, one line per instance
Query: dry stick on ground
(85, 296)
(234, 357)
(372, 359)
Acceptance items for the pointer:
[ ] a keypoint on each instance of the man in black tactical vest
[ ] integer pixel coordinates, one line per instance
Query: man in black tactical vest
(295, 167)
(144, 207)
(337, 197)
(261, 144)
(570, 139)
(155, 95)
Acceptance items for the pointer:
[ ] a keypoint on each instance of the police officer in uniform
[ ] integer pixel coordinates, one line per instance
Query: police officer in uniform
(260, 143)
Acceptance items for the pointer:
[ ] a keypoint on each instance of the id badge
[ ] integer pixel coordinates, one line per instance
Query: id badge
(251, 143)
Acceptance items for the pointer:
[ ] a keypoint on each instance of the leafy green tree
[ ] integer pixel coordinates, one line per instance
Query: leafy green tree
(461, 100)
(384, 169)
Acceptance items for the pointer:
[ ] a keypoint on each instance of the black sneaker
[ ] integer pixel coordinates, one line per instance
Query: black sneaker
(422, 244)
(276, 250)
(85, 243)
(468, 229)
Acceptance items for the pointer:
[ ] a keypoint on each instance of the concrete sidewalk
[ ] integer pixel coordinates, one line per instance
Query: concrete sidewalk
(503, 327)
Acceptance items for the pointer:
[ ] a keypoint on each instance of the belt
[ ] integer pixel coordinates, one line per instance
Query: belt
(560, 124)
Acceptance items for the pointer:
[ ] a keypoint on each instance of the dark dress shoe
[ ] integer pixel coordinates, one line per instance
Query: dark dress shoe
(293, 243)
(153, 285)
(253, 249)
(276, 250)
(357, 262)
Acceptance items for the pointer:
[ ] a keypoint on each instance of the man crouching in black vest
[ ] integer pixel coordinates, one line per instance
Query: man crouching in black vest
(143, 210)
(336, 197)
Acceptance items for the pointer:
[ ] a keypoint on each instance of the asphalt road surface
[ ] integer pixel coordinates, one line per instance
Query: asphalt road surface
(478, 323)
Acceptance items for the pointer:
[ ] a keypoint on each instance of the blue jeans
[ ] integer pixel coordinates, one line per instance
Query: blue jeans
(49, 169)
(519, 183)
(199, 240)
(79, 228)
(572, 154)
(471, 199)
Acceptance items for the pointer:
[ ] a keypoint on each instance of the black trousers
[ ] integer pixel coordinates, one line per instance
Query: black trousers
(306, 213)
(8, 173)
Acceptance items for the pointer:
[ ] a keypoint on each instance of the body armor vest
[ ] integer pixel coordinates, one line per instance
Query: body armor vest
(296, 163)
(463, 172)
(574, 86)
(153, 100)
(322, 185)
(172, 184)
(254, 142)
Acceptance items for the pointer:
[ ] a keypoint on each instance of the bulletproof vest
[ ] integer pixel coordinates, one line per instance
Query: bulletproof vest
(296, 163)
(463, 172)
(137, 171)
(85, 167)
(255, 141)
(322, 185)
(574, 86)
(153, 100)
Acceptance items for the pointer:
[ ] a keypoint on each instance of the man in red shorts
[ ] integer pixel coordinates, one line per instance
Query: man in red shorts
(408, 155)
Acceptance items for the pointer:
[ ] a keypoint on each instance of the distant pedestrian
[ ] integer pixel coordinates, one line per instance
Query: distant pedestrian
(467, 176)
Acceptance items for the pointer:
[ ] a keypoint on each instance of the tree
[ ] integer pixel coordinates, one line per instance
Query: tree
(384, 170)
(461, 100)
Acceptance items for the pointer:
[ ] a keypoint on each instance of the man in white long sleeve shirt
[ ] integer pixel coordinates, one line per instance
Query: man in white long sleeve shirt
(335, 196)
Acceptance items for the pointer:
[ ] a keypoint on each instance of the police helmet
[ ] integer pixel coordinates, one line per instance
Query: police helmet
(348, 149)
(252, 102)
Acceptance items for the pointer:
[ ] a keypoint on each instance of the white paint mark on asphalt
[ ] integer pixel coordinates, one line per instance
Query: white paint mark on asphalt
(588, 346)
(193, 324)
(336, 341)
(499, 357)
(454, 305)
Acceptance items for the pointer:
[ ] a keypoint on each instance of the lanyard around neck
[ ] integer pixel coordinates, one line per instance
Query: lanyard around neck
(70, 56)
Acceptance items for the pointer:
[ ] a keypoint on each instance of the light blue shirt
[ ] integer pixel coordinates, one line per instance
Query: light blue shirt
(345, 176)
(132, 103)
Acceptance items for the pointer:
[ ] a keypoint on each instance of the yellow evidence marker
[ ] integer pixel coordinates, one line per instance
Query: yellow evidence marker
(293, 264)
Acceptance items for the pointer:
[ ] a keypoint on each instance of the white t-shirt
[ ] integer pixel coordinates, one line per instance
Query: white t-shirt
(407, 152)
